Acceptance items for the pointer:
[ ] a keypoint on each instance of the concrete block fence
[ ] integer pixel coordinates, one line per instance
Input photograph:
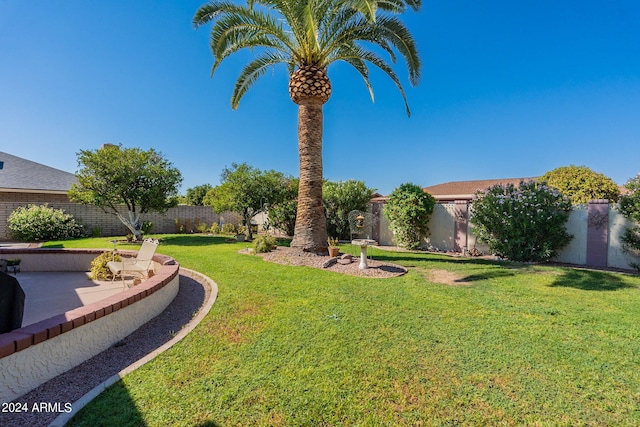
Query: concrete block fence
(109, 225)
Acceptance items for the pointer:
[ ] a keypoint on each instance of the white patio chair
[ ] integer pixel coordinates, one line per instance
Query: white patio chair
(138, 266)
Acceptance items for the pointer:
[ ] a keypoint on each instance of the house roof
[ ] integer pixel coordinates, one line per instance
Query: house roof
(18, 174)
(465, 190)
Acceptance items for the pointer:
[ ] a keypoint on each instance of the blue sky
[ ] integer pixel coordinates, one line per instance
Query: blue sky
(508, 89)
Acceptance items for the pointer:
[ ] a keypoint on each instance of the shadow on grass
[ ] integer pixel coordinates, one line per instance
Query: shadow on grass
(405, 259)
(591, 281)
(195, 240)
(587, 280)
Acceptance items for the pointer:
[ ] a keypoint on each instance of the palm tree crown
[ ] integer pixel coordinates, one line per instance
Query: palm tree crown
(310, 32)
(307, 36)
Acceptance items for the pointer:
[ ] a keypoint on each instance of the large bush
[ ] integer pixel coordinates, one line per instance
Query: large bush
(580, 184)
(340, 198)
(630, 208)
(408, 211)
(522, 224)
(33, 223)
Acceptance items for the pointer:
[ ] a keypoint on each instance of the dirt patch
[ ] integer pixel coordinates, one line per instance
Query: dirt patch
(446, 277)
(292, 256)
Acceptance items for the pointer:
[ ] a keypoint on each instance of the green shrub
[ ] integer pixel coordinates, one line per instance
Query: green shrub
(264, 244)
(96, 231)
(201, 227)
(146, 228)
(408, 210)
(630, 208)
(34, 222)
(99, 269)
(215, 228)
(580, 184)
(229, 228)
(340, 198)
(522, 224)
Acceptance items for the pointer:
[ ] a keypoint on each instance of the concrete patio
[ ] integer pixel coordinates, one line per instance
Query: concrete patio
(51, 293)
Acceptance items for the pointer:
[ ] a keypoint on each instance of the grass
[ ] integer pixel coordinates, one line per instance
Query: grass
(295, 346)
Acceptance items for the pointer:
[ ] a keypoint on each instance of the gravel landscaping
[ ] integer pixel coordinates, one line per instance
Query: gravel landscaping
(73, 384)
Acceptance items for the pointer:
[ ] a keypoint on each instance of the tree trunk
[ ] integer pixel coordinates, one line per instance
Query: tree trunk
(132, 223)
(310, 232)
(247, 220)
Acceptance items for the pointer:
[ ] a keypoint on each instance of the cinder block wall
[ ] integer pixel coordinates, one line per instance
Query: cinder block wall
(92, 216)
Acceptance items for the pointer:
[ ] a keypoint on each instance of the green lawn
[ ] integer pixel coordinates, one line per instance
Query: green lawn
(294, 346)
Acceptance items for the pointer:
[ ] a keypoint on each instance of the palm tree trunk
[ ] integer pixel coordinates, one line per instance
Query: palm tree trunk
(310, 232)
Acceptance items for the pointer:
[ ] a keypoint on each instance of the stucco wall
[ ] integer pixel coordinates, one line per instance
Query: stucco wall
(616, 256)
(441, 227)
(576, 251)
(442, 235)
(34, 354)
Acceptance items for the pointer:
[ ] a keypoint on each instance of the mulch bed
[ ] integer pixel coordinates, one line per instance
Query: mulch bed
(293, 256)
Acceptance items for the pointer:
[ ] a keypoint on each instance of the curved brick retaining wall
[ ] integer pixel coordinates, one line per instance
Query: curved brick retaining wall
(34, 354)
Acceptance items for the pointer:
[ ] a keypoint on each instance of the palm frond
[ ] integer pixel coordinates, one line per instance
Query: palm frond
(318, 32)
(253, 71)
(211, 11)
(361, 66)
(361, 54)
(394, 31)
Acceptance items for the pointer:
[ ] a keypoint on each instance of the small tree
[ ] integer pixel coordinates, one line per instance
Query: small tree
(246, 189)
(408, 210)
(195, 195)
(112, 176)
(525, 223)
(630, 208)
(282, 214)
(580, 184)
(339, 199)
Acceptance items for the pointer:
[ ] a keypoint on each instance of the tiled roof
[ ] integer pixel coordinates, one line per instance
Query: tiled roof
(17, 173)
(466, 189)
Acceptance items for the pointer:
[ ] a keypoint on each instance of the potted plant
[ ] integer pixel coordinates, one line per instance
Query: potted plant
(334, 249)
(241, 232)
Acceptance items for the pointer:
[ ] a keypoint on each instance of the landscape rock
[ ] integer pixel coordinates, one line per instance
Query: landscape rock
(328, 263)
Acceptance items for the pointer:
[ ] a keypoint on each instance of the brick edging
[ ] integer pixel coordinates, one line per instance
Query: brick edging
(22, 338)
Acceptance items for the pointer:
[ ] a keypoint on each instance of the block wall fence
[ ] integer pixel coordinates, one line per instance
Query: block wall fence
(596, 230)
(92, 216)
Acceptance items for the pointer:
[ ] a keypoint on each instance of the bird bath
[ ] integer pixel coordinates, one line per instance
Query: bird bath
(363, 243)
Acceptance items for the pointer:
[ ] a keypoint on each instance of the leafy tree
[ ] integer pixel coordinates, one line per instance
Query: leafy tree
(196, 195)
(143, 181)
(630, 208)
(525, 223)
(307, 36)
(339, 199)
(282, 214)
(246, 189)
(580, 184)
(408, 210)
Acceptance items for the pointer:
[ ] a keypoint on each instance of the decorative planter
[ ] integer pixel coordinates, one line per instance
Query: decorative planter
(240, 237)
(333, 252)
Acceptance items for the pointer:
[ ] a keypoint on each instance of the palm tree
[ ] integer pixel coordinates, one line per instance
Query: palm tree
(307, 36)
